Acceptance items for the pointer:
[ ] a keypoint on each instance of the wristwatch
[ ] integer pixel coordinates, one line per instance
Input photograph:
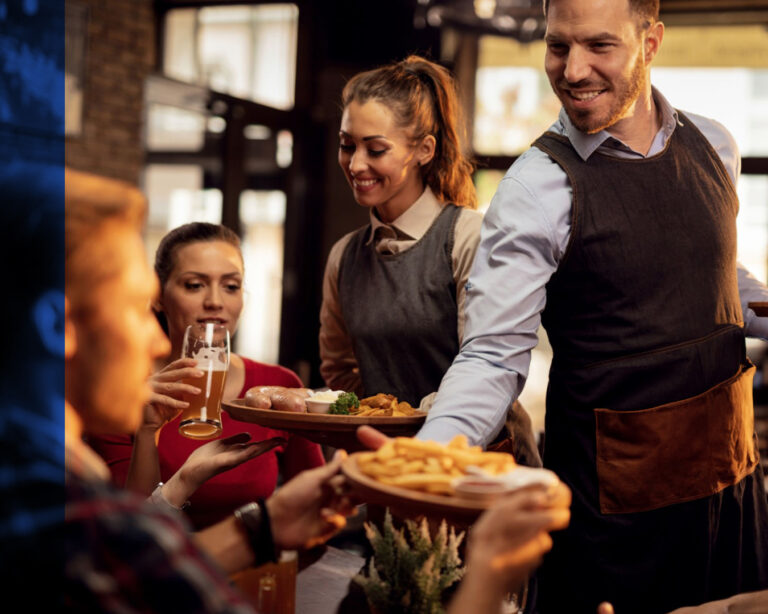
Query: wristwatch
(254, 519)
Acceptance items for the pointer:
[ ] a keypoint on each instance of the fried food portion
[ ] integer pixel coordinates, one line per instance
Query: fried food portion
(429, 466)
(379, 401)
(404, 408)
(384, 405)
(367, 410)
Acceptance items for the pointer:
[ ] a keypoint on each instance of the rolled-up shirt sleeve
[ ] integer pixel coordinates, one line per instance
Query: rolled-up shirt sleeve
(521, 243)
(466, 239)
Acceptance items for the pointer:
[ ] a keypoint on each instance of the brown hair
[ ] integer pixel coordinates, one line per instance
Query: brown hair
(648, 9)
(194, 232)
(423, 97)
(92, 203)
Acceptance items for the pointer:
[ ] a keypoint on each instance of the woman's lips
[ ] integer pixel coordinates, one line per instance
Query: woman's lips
(212, 320)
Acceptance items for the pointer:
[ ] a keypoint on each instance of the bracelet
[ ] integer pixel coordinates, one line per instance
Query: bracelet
(254, 518)
(157, 497)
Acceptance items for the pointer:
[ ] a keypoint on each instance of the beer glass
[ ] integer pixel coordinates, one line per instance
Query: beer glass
(208, 344)
(272, 586)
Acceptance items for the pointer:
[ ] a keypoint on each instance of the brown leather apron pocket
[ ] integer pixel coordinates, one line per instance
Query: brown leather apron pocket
(681, 451)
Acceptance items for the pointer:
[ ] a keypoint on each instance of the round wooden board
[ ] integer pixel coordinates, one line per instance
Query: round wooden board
(328, 429)
(760, 308)
(410, 503)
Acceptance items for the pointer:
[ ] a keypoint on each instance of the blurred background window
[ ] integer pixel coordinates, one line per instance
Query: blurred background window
(245, 51)
(174, 129)
(262, 214)
(514, 103)
(176, 196)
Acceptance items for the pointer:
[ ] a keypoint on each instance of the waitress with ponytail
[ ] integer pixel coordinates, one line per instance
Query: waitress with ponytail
(392, 316)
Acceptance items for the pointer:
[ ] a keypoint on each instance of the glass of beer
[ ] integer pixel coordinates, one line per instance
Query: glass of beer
(208, 344)
(271, 587)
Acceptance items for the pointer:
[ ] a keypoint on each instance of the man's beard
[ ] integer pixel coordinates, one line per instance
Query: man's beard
(627, 91)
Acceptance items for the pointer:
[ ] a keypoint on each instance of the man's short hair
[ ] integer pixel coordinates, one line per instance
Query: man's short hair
(91, 204)
(647, 9)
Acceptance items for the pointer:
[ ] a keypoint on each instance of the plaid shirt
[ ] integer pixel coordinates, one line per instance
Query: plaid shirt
(124, 554)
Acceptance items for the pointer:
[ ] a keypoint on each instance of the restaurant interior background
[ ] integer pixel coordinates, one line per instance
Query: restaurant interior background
(228, 112)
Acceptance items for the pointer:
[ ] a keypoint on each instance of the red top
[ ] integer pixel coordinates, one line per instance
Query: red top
(224, 493)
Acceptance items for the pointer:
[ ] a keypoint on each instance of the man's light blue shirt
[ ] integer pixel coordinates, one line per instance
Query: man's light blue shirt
(524, 235)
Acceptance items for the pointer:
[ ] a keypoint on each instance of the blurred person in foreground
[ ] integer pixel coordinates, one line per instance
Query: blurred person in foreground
(623, 218)
(123, 552)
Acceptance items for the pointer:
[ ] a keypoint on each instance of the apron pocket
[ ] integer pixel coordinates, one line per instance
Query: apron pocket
(681, 451)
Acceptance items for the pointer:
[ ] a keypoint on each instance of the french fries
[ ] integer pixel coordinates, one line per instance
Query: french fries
(383, 405)
(429, 466)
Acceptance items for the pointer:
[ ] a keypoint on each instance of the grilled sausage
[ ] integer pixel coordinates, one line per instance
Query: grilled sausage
(288, 400)
(255, 398)
(277, 397)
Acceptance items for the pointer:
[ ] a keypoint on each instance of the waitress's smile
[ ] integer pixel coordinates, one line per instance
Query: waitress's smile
(363, 184)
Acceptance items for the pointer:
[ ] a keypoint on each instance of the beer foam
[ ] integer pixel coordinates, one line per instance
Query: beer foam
(211, 359)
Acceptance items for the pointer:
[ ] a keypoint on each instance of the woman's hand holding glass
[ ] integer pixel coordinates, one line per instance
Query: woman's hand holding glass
(165, 403)
(166, 400)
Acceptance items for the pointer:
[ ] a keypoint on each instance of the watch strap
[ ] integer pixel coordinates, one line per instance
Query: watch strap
(254, 518)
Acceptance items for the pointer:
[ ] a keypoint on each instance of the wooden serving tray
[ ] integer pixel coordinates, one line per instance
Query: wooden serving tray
(328, 429)
(760, 308)
(411, 503)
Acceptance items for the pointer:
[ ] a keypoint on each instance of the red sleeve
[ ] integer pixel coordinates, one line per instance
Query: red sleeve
(116, 451)
(300, 454)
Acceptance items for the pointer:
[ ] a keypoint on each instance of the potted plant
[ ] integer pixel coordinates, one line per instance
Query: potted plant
(410, 570)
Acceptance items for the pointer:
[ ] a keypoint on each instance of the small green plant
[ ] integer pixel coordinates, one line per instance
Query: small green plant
(344, 403)
(409, 575)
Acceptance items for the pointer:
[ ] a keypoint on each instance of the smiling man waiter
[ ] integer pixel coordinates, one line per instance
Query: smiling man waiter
(616, 230)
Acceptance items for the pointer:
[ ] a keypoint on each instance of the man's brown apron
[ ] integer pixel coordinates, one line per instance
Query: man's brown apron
(649, 408)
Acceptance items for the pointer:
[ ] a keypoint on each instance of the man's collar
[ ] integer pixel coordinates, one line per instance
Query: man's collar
(586, 144)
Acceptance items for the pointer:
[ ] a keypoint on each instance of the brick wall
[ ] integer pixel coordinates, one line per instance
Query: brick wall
(120, 52)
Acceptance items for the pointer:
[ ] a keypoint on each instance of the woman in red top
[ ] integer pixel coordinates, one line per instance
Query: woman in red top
(200, 269)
